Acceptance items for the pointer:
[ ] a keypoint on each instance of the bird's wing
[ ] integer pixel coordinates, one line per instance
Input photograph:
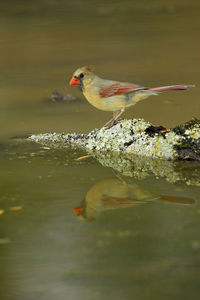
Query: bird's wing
(119, 88)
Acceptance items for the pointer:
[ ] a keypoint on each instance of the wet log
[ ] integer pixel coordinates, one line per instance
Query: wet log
(133, 137)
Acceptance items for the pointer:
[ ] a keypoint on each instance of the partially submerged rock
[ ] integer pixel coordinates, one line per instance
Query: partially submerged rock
(133, 137)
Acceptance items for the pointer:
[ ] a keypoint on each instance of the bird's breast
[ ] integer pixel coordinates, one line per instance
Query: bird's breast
(113, 103)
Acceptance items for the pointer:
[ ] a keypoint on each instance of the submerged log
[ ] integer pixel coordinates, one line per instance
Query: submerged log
(136, 137)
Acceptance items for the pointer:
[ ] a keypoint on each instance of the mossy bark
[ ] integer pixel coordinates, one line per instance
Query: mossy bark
(134, 137)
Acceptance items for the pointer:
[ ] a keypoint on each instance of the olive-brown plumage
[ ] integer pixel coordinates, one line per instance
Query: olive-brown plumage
(115, 96)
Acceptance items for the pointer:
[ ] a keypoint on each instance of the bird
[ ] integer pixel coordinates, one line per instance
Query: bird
(114, 96)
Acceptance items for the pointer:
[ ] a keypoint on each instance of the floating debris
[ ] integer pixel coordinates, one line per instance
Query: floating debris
(16, 208)
(58, 97)
(83, 157)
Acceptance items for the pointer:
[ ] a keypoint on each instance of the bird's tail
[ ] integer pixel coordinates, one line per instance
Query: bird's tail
(161, 89)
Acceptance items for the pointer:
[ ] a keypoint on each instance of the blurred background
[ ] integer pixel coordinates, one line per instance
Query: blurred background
(148, 251)
(151, 43)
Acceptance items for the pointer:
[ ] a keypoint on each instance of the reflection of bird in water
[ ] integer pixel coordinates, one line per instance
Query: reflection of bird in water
(113, 193)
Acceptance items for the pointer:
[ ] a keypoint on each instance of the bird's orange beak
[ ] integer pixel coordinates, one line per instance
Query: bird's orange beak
(77, 210)
(74, 81)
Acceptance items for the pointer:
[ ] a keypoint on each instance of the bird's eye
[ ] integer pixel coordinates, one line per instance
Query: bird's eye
(81, 75)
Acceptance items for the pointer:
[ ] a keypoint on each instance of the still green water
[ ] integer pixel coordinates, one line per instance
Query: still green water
(78, 230)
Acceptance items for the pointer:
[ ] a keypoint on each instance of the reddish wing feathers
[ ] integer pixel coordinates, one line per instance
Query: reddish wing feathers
(118, 89)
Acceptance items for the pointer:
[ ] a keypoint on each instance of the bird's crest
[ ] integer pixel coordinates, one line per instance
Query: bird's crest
(89, 67)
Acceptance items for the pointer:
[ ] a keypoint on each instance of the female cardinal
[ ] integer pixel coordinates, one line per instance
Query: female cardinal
(115, 96)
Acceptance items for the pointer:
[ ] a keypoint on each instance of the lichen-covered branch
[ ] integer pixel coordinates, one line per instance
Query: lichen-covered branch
(134, 137)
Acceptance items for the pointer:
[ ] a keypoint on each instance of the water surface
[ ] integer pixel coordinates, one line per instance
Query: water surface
(78, 230)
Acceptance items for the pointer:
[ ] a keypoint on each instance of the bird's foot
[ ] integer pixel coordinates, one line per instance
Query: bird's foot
(114, 122)
(108, 124)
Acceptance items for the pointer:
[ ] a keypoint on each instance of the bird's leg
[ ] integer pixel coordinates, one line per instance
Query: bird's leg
(119, 177)
(111, 120)
(116, 116)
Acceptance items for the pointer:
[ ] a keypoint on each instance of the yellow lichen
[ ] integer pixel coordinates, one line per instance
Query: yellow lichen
(194, 136)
